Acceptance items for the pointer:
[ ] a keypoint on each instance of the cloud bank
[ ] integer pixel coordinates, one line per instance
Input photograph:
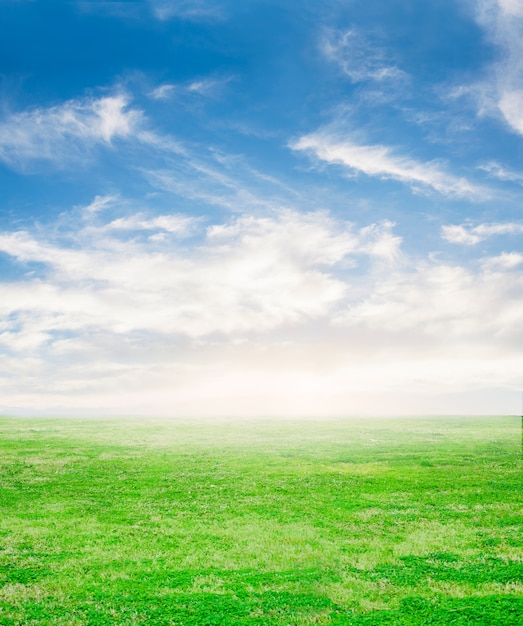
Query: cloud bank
(286, 313)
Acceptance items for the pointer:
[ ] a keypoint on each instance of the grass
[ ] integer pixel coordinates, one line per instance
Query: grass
(341, 522)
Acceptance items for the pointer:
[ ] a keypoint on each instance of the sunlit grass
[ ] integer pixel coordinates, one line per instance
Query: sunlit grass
(297, 522)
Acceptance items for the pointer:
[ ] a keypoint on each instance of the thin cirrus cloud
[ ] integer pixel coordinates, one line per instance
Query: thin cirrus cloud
(203, 87)
(66, 131)
(75, 130)
(471, 235)
(100, 203)
(502, 173)
(185, 9)
(120, 9)
(163, 92)
(162, 10)
(221, 189)
(382, 162)
(358, 58)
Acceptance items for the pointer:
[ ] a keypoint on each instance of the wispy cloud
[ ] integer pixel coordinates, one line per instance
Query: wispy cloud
(221, 180)
(120, 9)
(471, 235)
(219, 191)
(360, 59)
(100, 203)
(205, 87)
(66, 131)
(72, 132)
(75, 131)
(163, 92)
(382, 162)
(185, 9)
(502, 173)
(174, 224)
(162, 10)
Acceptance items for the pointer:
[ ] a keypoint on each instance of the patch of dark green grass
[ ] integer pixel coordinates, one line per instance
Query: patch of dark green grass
(449, 568)
(418, 611)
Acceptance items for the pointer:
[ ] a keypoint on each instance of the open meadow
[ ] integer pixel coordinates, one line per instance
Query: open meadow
(339, 522)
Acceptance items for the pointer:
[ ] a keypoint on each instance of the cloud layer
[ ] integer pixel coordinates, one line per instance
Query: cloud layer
(251, 274)
(157, 311)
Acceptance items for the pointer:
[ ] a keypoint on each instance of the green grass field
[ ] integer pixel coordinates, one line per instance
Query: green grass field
(361, 522)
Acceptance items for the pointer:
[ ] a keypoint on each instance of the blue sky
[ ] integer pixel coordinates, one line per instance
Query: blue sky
(261, 208)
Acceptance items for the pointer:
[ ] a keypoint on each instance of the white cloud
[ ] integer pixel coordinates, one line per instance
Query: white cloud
(207, 86)
(381, 161)
(70, 132)
(503, 22)
(504, 261)
(163, 92)
(99, 204)
(511, 105)
(502, 173)
(66, 131)
(456, 233)
(178, 224)
(359, 59)
(471, 235)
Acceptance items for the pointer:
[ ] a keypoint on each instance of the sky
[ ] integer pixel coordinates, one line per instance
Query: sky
(261, 208)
